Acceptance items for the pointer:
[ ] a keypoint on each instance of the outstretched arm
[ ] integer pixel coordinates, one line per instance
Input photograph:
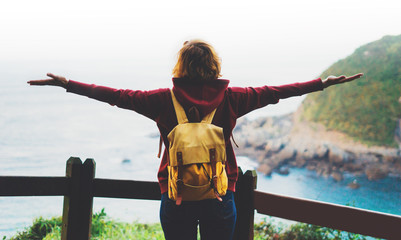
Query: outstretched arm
(333, 80)
(249, 99)
(54, 80)
(148, 103)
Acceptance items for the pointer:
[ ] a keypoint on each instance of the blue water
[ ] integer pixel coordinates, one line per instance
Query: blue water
(40, 128)
(382, 195)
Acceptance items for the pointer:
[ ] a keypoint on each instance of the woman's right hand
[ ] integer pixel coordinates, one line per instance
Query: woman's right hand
(53, 81)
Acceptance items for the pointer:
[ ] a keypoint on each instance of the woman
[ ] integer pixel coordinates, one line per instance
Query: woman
(197, 88)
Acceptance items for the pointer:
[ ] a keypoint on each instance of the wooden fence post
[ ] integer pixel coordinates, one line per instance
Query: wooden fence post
(71, 208)
(244, 201)
(86, 197)
(77, 211)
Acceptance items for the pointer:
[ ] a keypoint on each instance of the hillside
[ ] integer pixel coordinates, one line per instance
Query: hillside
(368, 109)
(353, 127)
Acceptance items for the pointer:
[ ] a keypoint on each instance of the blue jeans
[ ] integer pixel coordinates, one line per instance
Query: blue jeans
(216, 219)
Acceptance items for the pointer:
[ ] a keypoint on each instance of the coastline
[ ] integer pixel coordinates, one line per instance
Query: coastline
(278, 143)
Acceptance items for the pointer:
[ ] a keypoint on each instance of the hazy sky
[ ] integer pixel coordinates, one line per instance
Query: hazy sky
(134, 43)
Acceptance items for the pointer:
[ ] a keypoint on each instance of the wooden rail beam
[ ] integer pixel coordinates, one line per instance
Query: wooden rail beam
(335, 216)
(126, 189)
(33, 186)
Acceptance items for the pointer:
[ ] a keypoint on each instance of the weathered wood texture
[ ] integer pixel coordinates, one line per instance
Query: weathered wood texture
(335, 216)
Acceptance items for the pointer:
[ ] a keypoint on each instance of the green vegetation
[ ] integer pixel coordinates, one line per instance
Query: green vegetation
(104, 228)
(367, 109)
(39, 229)
(268, 230)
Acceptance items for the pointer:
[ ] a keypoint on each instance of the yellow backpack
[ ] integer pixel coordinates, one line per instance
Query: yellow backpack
(197, 159)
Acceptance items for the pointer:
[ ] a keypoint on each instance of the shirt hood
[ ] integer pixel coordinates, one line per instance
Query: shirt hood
(204, 95)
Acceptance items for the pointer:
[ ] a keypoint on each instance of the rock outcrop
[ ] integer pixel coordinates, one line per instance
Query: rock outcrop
(281, 142)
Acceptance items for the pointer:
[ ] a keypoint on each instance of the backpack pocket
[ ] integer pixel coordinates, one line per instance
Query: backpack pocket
(197, 181)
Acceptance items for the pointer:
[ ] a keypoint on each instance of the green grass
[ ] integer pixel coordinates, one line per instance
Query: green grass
(40, 227)
(104, 228)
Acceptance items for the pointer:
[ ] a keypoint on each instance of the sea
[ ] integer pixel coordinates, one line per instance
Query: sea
(42, 127)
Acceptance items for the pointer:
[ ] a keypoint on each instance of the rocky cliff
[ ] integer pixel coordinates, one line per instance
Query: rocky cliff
(278, 143)
(353, 127)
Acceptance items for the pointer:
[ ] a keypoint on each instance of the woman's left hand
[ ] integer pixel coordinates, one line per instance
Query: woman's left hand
(332, 80)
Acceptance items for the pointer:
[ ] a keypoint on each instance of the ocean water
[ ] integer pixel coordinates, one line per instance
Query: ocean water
(41, 127)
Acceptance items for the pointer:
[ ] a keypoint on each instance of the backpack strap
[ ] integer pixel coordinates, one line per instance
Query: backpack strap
(160, 146)
(232, 138)
(180, 182)
(179, 110)
(209, 118)
(213, 163)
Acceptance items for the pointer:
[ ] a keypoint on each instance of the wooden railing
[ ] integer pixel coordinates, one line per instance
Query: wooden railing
(80, 186)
